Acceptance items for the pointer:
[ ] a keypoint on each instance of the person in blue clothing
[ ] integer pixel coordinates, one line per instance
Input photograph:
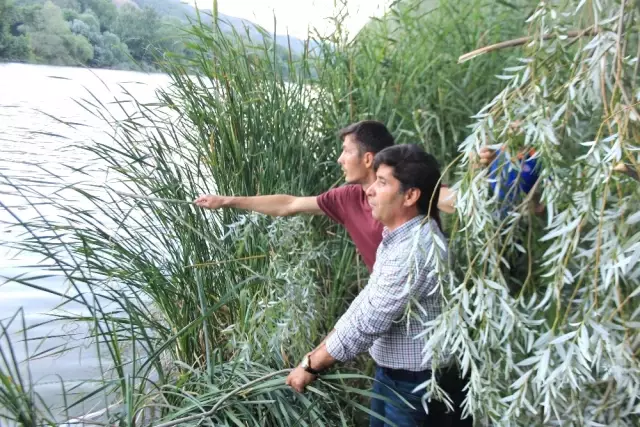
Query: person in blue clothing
(513, 177)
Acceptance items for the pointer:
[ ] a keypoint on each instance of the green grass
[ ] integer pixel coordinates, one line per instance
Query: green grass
(20, 404)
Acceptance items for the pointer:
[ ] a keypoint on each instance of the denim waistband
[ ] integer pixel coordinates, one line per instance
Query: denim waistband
(405, 375)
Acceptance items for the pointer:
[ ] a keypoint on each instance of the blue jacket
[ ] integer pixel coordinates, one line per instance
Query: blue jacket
(505, 175)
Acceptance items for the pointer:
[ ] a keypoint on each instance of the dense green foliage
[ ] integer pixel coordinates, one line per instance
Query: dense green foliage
(96, 33)
(543, 312)
(206, 309)
(13, 46)
(404, 69)
(93, 33)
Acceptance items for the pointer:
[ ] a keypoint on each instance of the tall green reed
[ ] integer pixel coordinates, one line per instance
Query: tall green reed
(20, 404)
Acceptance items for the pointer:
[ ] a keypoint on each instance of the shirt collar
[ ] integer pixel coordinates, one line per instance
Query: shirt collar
(389, 237)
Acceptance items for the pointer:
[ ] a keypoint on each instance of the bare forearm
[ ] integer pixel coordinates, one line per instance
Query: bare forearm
(318, 360)
(274, 205)
(446, 202)
(320, 357)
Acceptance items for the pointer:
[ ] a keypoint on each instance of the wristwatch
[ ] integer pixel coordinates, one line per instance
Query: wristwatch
(306, 365)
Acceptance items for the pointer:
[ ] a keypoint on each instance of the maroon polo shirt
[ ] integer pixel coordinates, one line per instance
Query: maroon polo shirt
(347, 205)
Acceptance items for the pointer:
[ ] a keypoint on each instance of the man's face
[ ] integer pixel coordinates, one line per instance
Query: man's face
(355, 165)
(384, 196)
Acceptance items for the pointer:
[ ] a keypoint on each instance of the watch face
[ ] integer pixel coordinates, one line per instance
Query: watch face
(305, 361)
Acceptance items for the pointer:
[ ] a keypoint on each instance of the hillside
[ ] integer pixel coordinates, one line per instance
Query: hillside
(186, 12)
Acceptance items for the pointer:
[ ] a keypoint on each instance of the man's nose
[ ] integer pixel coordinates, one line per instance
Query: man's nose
(370, 191)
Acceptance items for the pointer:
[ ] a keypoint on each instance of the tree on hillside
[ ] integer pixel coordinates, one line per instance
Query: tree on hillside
(13, 45)
(108, 50)
(111, 52)
(105, 11)
(139, 30)
(52, 40)
(91, 21)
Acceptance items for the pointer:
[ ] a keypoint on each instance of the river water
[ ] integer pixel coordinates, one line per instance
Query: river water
(34, 101)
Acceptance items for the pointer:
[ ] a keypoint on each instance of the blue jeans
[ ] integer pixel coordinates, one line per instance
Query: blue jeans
(400, 414)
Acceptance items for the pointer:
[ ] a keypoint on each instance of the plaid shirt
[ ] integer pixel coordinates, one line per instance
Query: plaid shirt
(376, 319)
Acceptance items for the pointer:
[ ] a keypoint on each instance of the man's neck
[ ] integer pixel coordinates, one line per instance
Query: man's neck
(400, 220)
(371, 178)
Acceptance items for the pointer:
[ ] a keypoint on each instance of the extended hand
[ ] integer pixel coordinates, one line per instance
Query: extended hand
(298, 379)
(210, 201)
(484, 158)
(627, 169)
(487, 156)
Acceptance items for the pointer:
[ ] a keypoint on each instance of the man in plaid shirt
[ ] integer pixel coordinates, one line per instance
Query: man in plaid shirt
(404, 199)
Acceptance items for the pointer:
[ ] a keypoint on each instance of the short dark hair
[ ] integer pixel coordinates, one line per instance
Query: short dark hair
(414, 168)
(372, 136)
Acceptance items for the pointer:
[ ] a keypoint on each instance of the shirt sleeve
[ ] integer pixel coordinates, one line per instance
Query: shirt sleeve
(334, 202)
(530, 174)
(382, 302)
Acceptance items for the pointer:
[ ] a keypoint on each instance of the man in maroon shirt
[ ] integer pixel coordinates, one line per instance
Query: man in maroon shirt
(346, 205)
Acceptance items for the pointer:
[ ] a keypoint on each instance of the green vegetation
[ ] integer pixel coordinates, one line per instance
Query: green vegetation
(92, 33)
(545, 309)
(96, 33)
(196, 313)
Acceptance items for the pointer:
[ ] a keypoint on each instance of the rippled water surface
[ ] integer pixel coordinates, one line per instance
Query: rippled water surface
(35, 143)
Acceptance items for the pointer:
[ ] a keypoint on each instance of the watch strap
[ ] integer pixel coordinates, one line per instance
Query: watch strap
(311, 370)
(307, 366)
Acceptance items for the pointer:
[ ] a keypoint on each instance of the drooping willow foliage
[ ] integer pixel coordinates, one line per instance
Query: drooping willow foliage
(542, 312)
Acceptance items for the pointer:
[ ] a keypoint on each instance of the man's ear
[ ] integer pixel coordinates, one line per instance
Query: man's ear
(411, 197)
(368, 159)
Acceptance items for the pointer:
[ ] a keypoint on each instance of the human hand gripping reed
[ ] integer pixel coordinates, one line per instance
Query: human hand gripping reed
(210, 201)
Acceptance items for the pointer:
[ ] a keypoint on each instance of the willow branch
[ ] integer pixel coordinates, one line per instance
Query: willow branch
(520, 41)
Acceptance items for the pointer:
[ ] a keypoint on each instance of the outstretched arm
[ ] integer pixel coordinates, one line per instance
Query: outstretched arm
(274, 205)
